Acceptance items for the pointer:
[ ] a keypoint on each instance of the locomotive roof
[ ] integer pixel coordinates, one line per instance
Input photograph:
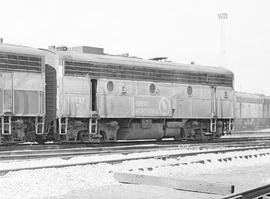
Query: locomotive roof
(252, 98)
(249, 97)
(24, 58)
(112, 59)
(21, 49)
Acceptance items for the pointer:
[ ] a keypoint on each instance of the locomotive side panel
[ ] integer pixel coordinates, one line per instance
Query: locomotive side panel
(201, 102)
(29, 94)
(133, 99)
(266, 111)
(116, 98)
(74, 97)
(250, 111)
(225, 102)
(192, 101)
(182, 102)
(153, 100)
(23, 94)
(237, 110)
(164, 100)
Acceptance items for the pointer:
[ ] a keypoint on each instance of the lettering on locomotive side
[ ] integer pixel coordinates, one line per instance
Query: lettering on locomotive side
(141, 103)
(77, 100)
(146, 106)
(147, 111)
(152, 106)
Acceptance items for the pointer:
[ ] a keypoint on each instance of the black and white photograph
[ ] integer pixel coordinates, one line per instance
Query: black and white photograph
(130, 99)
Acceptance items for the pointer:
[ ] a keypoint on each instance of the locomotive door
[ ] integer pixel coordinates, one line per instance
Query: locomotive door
(214, 102)
(7, 92)
(94, 94)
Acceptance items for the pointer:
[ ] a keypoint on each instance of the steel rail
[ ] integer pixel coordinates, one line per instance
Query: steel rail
(72, 152)
(262, 192)
(138, 157)
(51, 146)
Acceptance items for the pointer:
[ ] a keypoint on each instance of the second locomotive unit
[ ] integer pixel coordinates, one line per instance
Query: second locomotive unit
(114, 98)
(252, 111)
(91, 96)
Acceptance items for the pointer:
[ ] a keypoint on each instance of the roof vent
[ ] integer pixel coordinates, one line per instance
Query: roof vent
(88, 49)
(159, 58)
(52, 47)
(125, 55)
(61, 48)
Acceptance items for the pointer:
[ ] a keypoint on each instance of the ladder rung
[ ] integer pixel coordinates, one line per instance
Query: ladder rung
(6, 124)
(213, 123)
(39, 122)
(63, 126)
(93, 123)
(9, 133)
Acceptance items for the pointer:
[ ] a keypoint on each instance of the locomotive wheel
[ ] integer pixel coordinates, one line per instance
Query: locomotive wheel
(177, 138)
(30, 136)
(83, 136)
(181, 135)
(103, 136)
(40, 139)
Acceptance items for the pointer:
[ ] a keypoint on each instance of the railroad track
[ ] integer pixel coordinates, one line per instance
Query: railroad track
(67, 153)
(35, 146)
(72, 152)
(122, 155)
(111, 160)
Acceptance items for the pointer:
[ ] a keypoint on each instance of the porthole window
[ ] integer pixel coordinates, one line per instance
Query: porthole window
(110, 86)
(189, 90)
(152, 88)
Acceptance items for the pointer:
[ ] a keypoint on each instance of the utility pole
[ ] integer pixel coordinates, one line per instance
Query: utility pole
(222, 17)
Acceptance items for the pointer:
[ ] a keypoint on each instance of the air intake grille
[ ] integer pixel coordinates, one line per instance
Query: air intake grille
(20, 62)
(100, 70)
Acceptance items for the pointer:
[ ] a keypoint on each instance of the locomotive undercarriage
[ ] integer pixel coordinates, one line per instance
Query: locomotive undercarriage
(20, 129)
(24, 129)
(108, 130)
(85, 130)
(186, 129)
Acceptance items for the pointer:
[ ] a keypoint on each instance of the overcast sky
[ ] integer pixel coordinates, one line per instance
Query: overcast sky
(183, 30)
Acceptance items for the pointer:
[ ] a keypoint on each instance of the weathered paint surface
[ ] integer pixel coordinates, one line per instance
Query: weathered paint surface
(22, 94)
(252, 111)
(74, 97)
(129, 99)
(225, 102)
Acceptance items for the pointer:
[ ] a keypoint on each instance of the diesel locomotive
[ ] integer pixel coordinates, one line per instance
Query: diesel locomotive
(81, 94)
(252, 111)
